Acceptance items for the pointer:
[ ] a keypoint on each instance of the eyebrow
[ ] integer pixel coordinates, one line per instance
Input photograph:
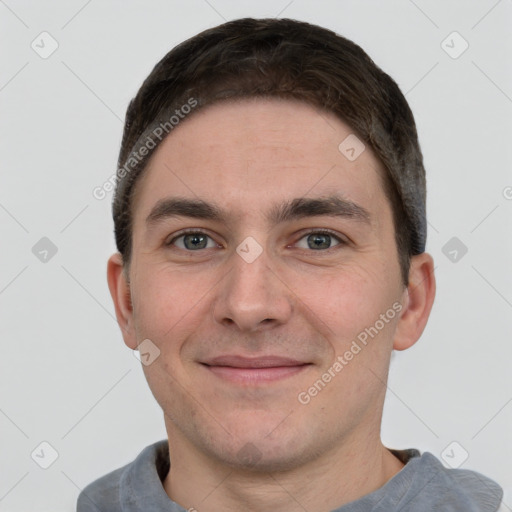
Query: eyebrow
(294, 209)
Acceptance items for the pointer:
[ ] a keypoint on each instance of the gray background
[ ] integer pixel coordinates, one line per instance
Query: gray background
(66, 376)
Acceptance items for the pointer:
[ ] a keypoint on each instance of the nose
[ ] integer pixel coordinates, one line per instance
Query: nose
(252, 296)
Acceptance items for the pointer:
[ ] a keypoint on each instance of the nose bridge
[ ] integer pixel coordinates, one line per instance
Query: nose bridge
(252, 296)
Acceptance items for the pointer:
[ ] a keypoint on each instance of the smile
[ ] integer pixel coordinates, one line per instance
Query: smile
(243, 370)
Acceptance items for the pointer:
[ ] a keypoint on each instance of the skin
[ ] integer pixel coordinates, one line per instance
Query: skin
(292, 300)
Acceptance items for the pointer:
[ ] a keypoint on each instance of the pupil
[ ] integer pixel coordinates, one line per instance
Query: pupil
(195, 241)
(319, 241)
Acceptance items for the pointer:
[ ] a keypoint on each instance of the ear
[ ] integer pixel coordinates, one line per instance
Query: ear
(120, 291)
(417, 301)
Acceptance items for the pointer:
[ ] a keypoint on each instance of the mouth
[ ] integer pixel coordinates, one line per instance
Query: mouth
(259, 370)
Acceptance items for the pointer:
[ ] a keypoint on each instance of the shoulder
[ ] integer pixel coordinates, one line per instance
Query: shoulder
(456, 489)
(115, 489)
(102, 494)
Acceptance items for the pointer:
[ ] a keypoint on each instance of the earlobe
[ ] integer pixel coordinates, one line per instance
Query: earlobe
(120, 292)
(419, 298)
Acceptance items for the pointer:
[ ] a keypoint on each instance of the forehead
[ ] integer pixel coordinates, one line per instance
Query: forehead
(256, 151)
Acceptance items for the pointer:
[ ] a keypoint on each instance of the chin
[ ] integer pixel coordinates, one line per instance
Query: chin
(262, 448)
(263, 457)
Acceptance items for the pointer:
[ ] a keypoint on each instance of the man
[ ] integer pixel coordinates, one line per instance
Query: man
(270, 221)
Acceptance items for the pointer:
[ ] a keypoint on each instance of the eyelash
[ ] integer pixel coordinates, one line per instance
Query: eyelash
(313, 231)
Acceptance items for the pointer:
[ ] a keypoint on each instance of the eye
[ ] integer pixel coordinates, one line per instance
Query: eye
(192, 241)
(319, 240)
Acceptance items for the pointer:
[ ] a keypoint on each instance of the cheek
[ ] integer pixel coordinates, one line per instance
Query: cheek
(168, 311)
(165, 303)
(348, 298)
(351, 305)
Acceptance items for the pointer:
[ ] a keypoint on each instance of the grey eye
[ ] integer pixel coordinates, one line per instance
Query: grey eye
(318, 241)
(193, 241)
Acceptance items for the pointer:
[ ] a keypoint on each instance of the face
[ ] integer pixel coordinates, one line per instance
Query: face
(265, 271)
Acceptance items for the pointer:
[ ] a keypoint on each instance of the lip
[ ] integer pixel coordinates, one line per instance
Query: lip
(254, 370)
(237, 361)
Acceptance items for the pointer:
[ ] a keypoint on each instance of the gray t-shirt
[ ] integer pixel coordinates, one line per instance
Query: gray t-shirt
(422, 485)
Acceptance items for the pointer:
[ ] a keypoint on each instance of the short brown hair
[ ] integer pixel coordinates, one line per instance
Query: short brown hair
(287, 59)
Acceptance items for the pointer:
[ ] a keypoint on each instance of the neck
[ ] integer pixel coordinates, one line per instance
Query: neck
(344, 474)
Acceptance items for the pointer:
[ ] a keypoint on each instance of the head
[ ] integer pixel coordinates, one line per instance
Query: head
(245, 230)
